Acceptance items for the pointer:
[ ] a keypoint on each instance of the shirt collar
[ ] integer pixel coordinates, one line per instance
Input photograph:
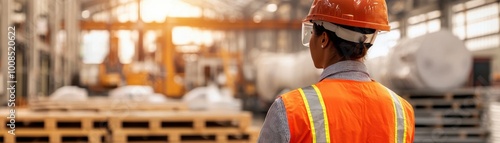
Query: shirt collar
(351, 70)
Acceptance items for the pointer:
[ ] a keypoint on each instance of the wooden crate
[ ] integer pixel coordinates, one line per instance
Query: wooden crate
(193, 120)
(249, 135)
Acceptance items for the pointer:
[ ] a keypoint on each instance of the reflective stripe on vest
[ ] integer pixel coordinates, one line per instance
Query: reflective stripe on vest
(399, 118)
(316, 111)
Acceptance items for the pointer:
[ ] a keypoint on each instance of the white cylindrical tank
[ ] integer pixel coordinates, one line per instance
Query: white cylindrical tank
(276, 72)
(435, 61)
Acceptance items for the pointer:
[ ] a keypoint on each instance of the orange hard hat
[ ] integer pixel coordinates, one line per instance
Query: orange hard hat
(356, 13)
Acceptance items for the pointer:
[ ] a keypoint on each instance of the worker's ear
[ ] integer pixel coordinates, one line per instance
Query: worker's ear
(324, 40)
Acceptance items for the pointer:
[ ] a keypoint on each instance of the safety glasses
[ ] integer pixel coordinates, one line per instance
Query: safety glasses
(346, 34)
(307, 29)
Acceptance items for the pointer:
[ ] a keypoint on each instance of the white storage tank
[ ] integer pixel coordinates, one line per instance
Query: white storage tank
(435, 61)
(279, 72)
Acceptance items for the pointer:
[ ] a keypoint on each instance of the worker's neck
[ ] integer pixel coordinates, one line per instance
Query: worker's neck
(331, 62)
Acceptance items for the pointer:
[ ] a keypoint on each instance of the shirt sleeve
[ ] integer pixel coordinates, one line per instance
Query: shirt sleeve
(275, 128)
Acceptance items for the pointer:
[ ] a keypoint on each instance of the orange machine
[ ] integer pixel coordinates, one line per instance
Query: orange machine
(110, 70)
(169, 82)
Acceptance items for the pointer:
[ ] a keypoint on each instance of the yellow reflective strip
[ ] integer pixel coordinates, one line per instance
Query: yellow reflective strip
(313, 131)
(404, 120)
(395, 119)
(325, 117)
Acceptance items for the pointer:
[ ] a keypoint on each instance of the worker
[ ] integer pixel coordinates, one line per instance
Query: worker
(346, 105)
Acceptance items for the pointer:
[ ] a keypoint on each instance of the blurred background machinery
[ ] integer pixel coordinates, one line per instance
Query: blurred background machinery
(124, 64)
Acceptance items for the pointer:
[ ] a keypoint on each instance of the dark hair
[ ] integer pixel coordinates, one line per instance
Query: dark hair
(347, 50)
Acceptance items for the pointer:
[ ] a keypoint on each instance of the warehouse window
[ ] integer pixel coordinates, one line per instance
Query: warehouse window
(101, 17)
(423, 24)
(477, 24)
(459, 25)
(183, 35)
(95, 46)
(483, 42)
(385, 41)
(157, 10)
(127, 12)
(150, 44)
(189, 39)
(126, 45)
(151, 11)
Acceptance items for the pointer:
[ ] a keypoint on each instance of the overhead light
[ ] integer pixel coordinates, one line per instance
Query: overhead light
(257, 18)
(474, 3)
(86, 14)
(272, 7)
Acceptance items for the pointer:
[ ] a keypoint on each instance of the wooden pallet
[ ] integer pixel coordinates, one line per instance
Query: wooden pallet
(105, 104)
(153, 120)
(424, 139)
(447, 122)
(193, 120)
(450, 117)
(431, 104)
(447, 96)
(494, 113)
(133, 126)
(462, 133)
(449, 113)
(51, 121)
(249, 135)
(61, 136)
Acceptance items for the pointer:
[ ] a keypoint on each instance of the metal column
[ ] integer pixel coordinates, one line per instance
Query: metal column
(33, 50)
(54, 21)
(69, 45)
(71, 50)
(446, 14)
(76, 37)
(5, 12)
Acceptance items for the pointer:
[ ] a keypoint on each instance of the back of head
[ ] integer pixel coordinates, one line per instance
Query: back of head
(352, 25)
(355, 13)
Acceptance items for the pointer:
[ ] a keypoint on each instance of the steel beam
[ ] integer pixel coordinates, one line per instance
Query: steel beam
(195, 22)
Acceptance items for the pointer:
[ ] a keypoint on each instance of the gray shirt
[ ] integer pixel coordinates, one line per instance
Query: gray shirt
(275, 128)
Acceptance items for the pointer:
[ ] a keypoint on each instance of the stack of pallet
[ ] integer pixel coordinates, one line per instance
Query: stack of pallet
(103, 104)
(54, 127)
(495, 121)
(494, 114)
(448, 117)
(187, 126)
(48, 124)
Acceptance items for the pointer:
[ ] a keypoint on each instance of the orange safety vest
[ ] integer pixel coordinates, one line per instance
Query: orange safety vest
(346, 111)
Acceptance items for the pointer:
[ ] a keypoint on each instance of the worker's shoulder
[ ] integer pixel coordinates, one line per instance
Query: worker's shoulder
(291, 93)
(406, 104)
(295, 93)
